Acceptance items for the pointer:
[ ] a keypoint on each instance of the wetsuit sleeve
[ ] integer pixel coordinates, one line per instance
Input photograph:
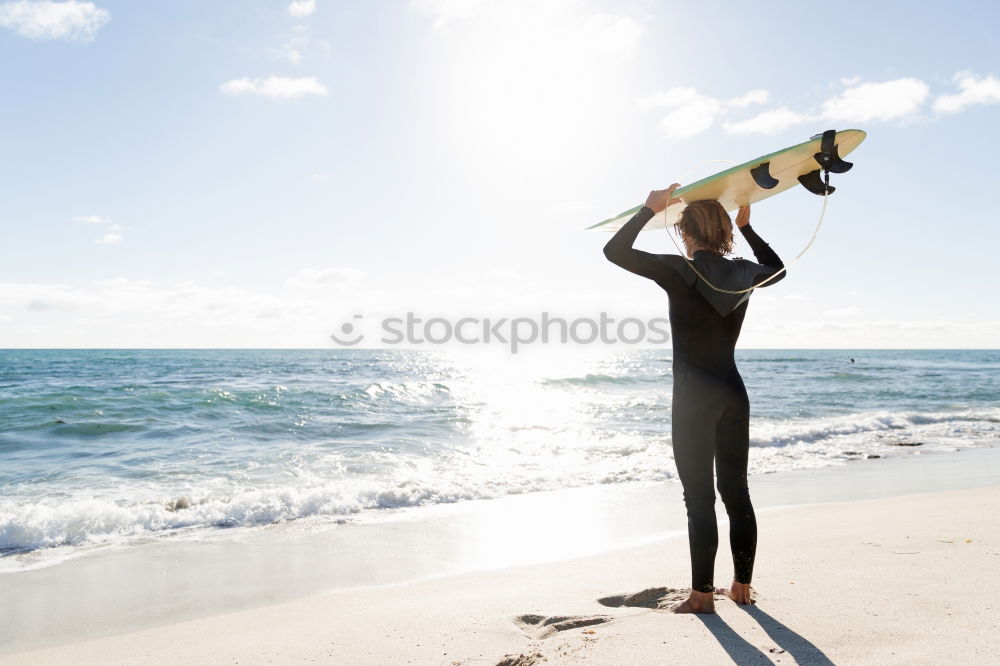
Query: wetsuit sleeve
(619, 251)
(766, 257)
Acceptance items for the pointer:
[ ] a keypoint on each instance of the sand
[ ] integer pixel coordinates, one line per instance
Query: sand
(913, 579)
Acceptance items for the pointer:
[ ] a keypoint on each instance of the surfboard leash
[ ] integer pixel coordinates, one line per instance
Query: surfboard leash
(778, 272)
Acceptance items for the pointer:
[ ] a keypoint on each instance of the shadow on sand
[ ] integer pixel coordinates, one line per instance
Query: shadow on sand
(742, 652)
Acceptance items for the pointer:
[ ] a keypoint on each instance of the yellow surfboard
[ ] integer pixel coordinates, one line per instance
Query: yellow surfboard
(755, 180)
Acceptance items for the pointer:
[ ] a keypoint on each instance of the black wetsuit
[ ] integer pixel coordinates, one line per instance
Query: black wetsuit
(710, 409)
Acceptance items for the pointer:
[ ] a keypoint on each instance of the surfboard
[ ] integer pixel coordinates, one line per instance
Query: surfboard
(750, 182)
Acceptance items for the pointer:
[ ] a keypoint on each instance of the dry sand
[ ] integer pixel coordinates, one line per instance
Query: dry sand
(904, 580)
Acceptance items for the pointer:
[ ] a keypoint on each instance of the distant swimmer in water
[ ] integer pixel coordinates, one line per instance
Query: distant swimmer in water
(852, 360)
(710, 420)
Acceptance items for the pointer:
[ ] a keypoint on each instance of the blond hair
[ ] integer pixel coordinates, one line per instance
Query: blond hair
(707, 224)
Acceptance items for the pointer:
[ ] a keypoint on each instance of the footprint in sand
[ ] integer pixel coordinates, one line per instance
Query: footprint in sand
(653, 597)
(541, 626)
(521, 659)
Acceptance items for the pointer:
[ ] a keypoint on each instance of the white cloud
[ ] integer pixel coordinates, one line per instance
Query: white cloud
(124, 312)
(290, 51)
(690, 119)
(69, 20)
(616, 36)
(849, 311)
(274, 86)
(974, 90)
(446, 11)
(757, 96)
(877, 101)
(768, 122)
(674, 97)
(873, 334)
(92, 219)
(693, 112)
(112, 234)
(302, 8)
(898, 99)
(110, 238)
(335, 276)
(298, 46)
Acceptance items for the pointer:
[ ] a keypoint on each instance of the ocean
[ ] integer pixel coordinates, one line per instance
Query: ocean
(103, 448)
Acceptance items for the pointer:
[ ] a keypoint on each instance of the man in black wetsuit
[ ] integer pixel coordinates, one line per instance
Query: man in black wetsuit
(710, 409)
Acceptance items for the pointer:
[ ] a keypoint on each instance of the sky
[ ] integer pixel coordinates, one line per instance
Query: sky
(258, 174)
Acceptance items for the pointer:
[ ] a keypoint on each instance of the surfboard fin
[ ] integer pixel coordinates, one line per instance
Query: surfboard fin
(762, 176)
(829, 160)
(812, 182)
(828, 157)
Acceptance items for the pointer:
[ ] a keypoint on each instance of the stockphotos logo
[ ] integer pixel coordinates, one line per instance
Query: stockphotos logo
(348, 331)
(513, 332)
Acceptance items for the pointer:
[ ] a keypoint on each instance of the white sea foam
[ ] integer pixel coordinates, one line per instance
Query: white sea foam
(766, 433)
(465, 474)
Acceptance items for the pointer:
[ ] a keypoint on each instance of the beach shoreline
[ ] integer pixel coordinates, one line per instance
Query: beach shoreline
(418, 557)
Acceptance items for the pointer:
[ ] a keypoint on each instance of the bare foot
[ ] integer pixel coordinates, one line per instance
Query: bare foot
(739, 592)
(697, 602)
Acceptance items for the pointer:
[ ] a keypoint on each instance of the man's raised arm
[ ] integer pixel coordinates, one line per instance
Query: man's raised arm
(619, 249)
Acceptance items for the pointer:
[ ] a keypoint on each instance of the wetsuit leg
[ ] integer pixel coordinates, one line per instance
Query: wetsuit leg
(732, 445)
(693, 430)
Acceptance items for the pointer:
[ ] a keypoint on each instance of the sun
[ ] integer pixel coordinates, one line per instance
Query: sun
(526, 96)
